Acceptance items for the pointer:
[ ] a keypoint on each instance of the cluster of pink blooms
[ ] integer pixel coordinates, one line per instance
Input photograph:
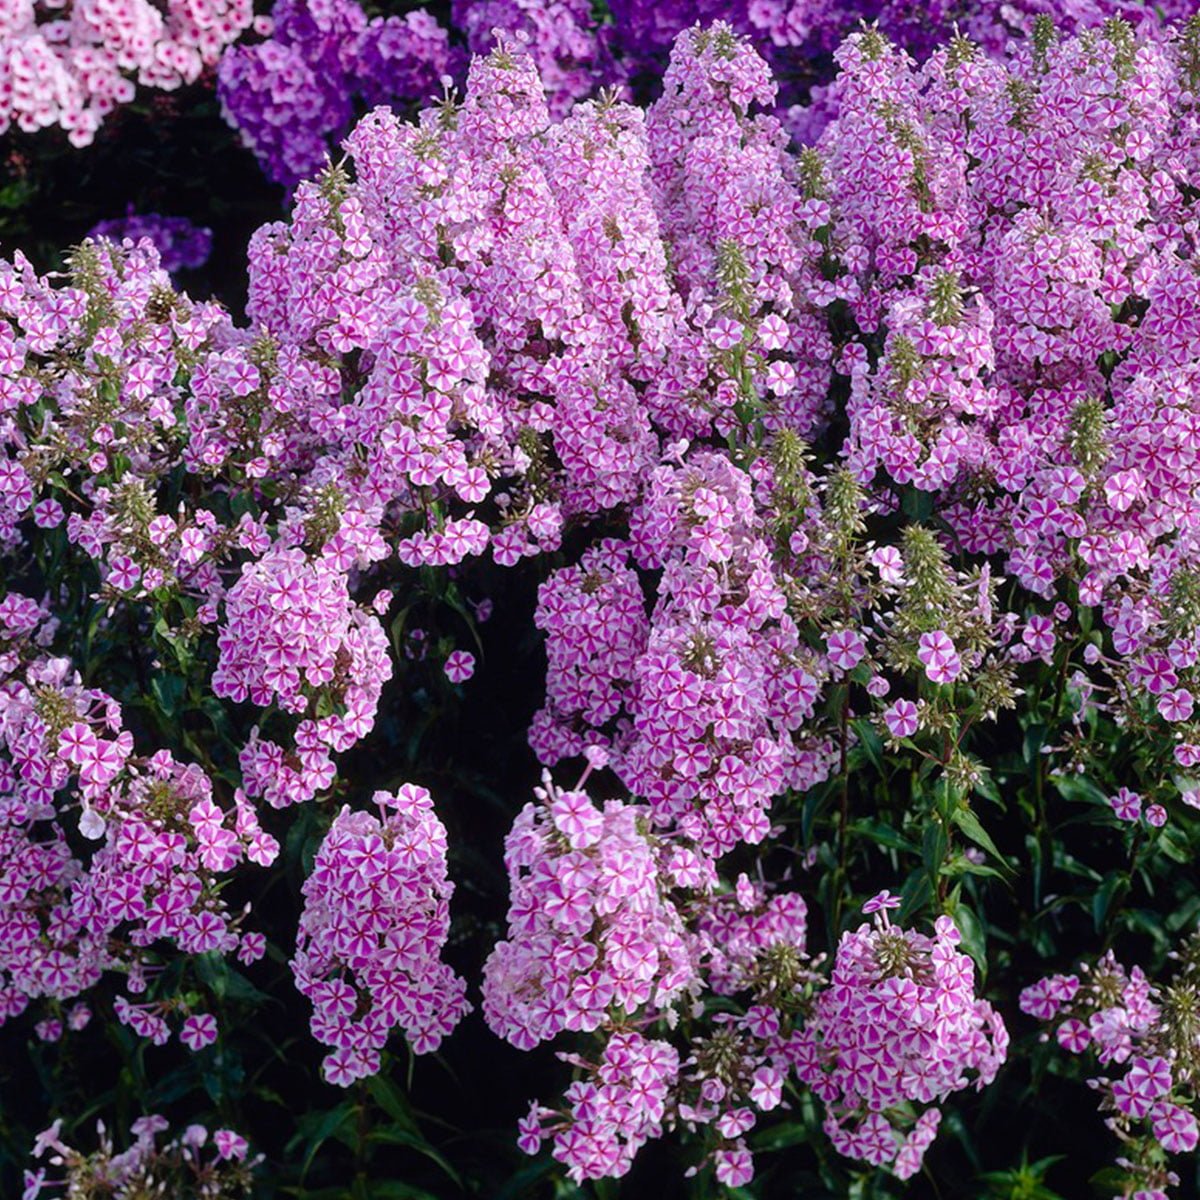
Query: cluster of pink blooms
(376, 915)
(996, 340)
(69, 64)
(290, 93)
(293, 637)
(611, 1114)
(703, 697)
(899, 1025)
(612, 928)
(215, 1164)
(589, 927)
(561, 35)
(1145, 1031)
(104, 856)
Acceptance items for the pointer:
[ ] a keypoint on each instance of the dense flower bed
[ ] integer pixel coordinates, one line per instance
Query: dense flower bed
(291, 94)
(860, 484)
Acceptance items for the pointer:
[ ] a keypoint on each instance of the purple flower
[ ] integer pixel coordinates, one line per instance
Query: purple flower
(902, 718)
(180, 244)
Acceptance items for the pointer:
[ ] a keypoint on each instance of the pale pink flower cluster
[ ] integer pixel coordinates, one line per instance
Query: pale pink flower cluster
(292, 636)
(215, 1164)
(613, 1113)
(589, 927)
(106, 857)
(70, 64)
(898, 1025)
(376, 915)
(1145, 1030)
(731, 1072)
(714, 688)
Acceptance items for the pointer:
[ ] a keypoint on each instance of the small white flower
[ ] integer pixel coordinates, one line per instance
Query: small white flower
(91, 825)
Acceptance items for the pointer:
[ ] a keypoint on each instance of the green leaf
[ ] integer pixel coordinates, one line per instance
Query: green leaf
(167, 691)
(959, 864)
(1080, 789)
(453, 598)
(974, 935)
(1109, 1179)
(391, 1099)
(934, 843)
(1173, 842)
(870, 743)
(779, 1137)
(883, 835)
(317, 1128)
(395, 1135)
(520, 1185)
(396, 631)
(221, 1072)
(1110, 892)
(968, 822)
(916, 893)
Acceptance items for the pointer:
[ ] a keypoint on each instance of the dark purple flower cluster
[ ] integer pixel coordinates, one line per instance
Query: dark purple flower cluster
(291, 94)
(181, 245)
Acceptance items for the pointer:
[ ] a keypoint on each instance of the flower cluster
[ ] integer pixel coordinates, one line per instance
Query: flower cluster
(612, 928)
(376, 913)
(993, 359)
(181, 245)
(589, 928)
(293, 637)
(560, 35)
(714, 685)
(71, 65)
(899, 1024)
(613, 1113)
(104, 855)
(1146, 1031)
(291, 94)
(215, 1164)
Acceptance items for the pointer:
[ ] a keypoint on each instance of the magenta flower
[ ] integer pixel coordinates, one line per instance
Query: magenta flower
(1146, 1081)
(1073, 1035)
(938, 656)
(1038, 635)
(734, 1168)
(199, 1031)
(1176, 706)
(47, 514)
(845, 649)
(888, 561)
(1126, 804)
(230, 1145)
(460, 666)
(1175, 1128)
(901, 718)
(77, 744)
